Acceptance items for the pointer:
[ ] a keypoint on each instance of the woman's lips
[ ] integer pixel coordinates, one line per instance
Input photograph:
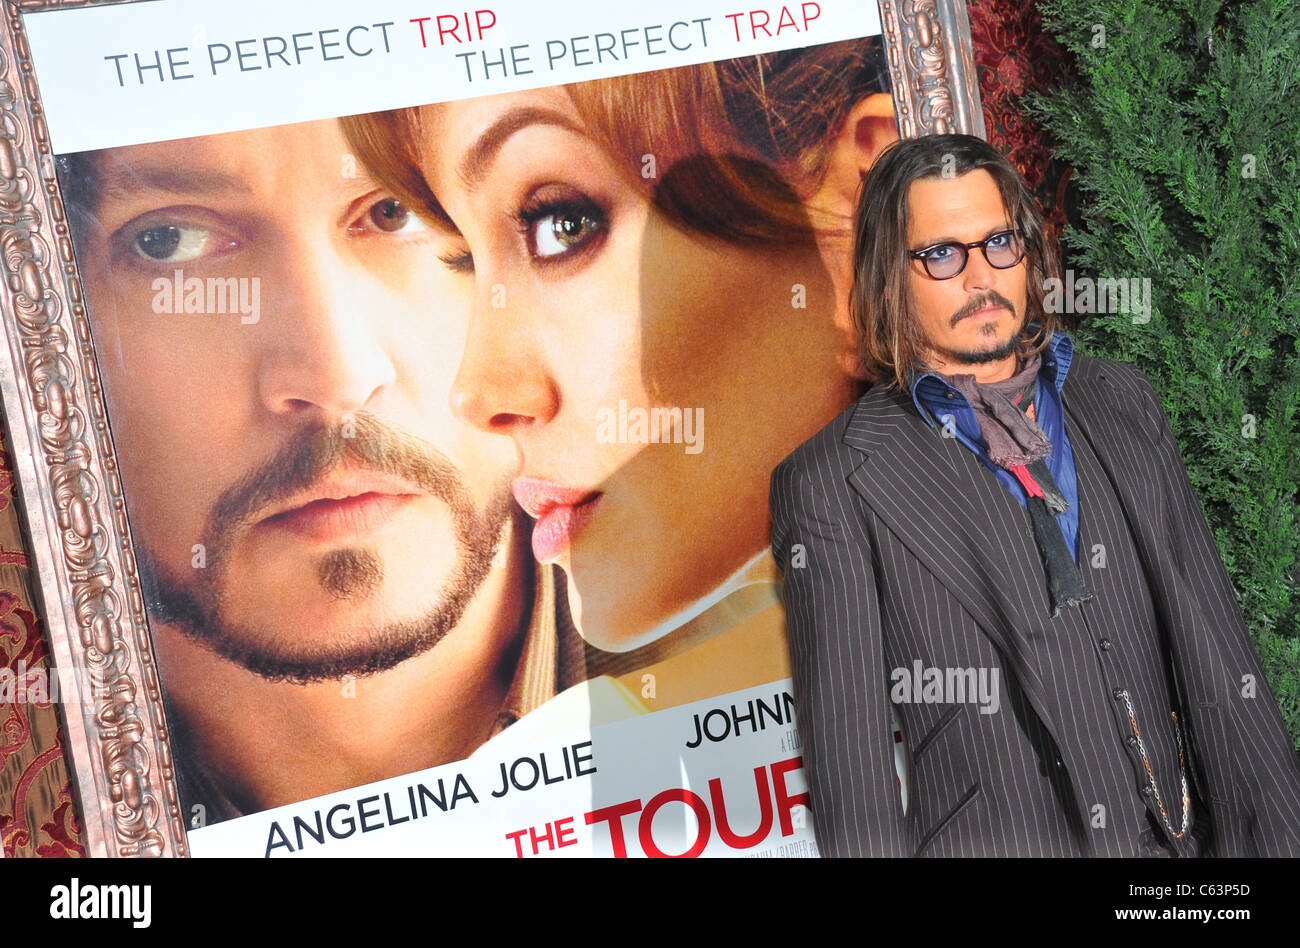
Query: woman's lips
(560, 512)
(330, 520)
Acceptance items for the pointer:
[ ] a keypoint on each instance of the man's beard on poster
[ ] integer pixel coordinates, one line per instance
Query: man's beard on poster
(345, 573)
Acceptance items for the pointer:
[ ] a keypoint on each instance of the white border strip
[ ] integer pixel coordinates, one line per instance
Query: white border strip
(143, 72)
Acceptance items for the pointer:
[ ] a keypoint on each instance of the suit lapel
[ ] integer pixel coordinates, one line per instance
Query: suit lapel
(954, 516)
(1089, 397)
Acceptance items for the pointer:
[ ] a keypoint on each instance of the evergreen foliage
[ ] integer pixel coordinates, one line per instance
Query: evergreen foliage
(1182, 122)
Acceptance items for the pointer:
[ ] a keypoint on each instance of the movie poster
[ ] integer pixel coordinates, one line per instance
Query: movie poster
(447, 355)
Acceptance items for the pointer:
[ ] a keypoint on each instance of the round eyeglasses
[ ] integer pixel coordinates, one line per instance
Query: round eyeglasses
(944, 261)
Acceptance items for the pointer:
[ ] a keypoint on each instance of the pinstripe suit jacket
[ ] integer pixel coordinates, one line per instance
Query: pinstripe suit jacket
(886, 557)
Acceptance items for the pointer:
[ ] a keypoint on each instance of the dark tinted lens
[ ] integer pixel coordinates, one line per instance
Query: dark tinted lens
(945, 260)
(1004, 250)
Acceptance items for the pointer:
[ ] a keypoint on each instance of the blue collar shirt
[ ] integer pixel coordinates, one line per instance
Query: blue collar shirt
(942, 406)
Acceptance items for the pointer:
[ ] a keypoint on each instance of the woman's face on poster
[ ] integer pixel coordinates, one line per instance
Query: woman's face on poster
(651, 377)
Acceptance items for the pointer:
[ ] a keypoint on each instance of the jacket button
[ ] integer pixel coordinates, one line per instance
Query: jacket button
(1118, 694)
(1106, 645)
(1147, 790)
(1132, 742)
(1060, 764)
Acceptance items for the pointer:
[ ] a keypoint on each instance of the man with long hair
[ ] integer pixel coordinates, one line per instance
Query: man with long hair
(316, 535)
(999, 543)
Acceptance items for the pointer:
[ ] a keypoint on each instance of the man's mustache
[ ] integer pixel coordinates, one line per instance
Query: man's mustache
(359, 440)
(983, 301)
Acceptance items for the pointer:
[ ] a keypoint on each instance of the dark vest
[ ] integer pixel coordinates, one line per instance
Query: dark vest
(1087, 656)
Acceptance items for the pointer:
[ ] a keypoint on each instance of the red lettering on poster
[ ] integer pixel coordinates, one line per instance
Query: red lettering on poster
(774, 796)
(703, 824)
(614, 816)
(453, 25)
(759, 21)
(725, 831)
(554, 835)
(784, 801)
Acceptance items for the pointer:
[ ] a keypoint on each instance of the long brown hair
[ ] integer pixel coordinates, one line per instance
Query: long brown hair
(753, 132)
(879, 302)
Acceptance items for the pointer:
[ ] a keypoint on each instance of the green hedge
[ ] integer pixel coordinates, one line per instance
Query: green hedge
(1182, 122)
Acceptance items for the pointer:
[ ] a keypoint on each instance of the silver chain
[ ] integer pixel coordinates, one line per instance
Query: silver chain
(1151, 777)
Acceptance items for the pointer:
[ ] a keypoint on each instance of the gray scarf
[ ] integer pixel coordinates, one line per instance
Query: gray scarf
(1013, 439)
(1017, 444)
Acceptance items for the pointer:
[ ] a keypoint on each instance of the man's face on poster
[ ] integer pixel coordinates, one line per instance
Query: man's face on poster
(278, 342)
